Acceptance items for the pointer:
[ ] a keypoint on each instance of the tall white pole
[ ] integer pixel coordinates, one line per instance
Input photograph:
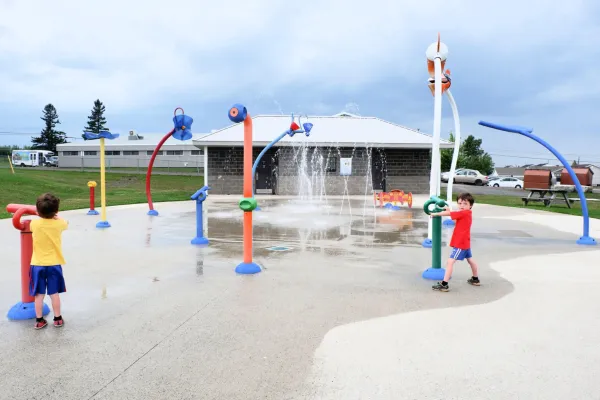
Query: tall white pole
(456, 145)
(436, 55)
(434, 176)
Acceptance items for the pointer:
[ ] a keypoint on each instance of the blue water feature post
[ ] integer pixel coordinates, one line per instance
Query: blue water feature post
(448, 222)
(585, 239)
(262, 153)
(200, 196)
(294, 128)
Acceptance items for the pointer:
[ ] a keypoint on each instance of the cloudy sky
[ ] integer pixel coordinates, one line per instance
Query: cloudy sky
(523, 62)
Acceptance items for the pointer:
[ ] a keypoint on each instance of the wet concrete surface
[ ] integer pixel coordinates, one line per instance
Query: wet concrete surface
(149, 316)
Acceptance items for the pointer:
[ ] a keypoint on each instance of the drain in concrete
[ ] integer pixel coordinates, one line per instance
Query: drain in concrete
(278, 248)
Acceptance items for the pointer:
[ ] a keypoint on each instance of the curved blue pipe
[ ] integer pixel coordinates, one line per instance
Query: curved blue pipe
(585, 239)
(262, 153)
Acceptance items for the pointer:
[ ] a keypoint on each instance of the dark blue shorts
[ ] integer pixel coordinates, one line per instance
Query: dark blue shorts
(460, 254)
(44, 280)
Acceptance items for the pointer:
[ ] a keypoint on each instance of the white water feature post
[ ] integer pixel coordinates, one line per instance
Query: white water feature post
(436, 54)
(448, 221)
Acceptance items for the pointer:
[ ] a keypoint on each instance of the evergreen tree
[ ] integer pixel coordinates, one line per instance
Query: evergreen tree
(49, 137)
(96, 120)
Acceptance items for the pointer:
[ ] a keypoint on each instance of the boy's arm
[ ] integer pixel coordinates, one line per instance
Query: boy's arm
(444, 213)
(64, 222)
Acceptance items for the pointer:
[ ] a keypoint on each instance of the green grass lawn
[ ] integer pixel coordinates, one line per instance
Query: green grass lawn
(192, 170)
(186, 170)
(71, 186)
(558, 206)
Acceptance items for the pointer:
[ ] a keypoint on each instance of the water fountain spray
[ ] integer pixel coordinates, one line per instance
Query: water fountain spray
(294, 128)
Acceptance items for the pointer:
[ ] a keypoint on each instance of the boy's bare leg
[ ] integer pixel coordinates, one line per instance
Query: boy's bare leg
(55, 304)
(474, 267)
(39, 305)
(449, 268)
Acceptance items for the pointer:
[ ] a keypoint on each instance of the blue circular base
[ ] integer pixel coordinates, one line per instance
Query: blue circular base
(153, 212)
(103, 224)
(247, 268)
(428, 243)
(390, 206)
(436, 274)
(200, 240)
(587, 240)
(22, 311)
(448, 222)
(257, 208)
(93, 212)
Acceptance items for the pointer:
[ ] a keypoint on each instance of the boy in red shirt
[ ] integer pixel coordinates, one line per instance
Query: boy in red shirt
(461, 240)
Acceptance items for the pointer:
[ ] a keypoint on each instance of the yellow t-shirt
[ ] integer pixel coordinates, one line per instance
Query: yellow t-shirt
(47, 241)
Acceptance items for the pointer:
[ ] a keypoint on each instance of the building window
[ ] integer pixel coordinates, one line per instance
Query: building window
(112, 153)
(90, 153)
(131, 153)
(174, 152)
(150, 152)
(70, 153)
(197, 152)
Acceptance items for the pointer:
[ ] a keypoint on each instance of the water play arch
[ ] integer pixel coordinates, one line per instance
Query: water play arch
(294, 128)
(181, 131)
(585, 239)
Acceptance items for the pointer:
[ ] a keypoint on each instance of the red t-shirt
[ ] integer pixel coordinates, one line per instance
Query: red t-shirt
(461, 238)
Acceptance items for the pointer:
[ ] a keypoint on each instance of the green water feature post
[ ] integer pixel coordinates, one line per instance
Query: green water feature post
(435, 272)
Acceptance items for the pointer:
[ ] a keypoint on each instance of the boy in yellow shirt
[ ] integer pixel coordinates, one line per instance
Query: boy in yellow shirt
(45, 273)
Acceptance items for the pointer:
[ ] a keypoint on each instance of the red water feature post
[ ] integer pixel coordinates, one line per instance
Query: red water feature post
(92, 185)
(25, 309)
(151, 210)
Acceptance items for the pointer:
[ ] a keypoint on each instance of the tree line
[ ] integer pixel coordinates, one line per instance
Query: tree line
(470, 156)
(51, 136)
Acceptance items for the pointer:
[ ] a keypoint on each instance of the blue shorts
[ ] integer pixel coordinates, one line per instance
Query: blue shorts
(460, 254)
(44, 280)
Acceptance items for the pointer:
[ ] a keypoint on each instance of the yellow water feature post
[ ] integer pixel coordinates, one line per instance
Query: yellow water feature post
(102, 135)
(103, 223)
(11, 166)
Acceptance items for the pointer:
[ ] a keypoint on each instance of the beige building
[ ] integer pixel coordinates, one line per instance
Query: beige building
(132, 150)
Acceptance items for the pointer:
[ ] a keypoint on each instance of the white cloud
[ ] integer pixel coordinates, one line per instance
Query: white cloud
(131, 55)
(583, 87)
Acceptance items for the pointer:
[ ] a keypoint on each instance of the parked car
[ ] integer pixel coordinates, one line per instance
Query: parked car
(446, 174)
(51, 161)
(470, 176)
(508, 182)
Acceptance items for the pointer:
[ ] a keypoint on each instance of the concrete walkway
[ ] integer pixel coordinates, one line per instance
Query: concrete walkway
(343, 313)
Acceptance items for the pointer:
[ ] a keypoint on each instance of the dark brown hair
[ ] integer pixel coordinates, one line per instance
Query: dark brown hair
(466, 197)
(47, 205)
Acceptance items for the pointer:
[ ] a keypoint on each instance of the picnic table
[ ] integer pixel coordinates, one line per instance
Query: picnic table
(546, 200)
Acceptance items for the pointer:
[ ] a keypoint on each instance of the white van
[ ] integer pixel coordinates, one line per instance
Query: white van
(31, 158)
